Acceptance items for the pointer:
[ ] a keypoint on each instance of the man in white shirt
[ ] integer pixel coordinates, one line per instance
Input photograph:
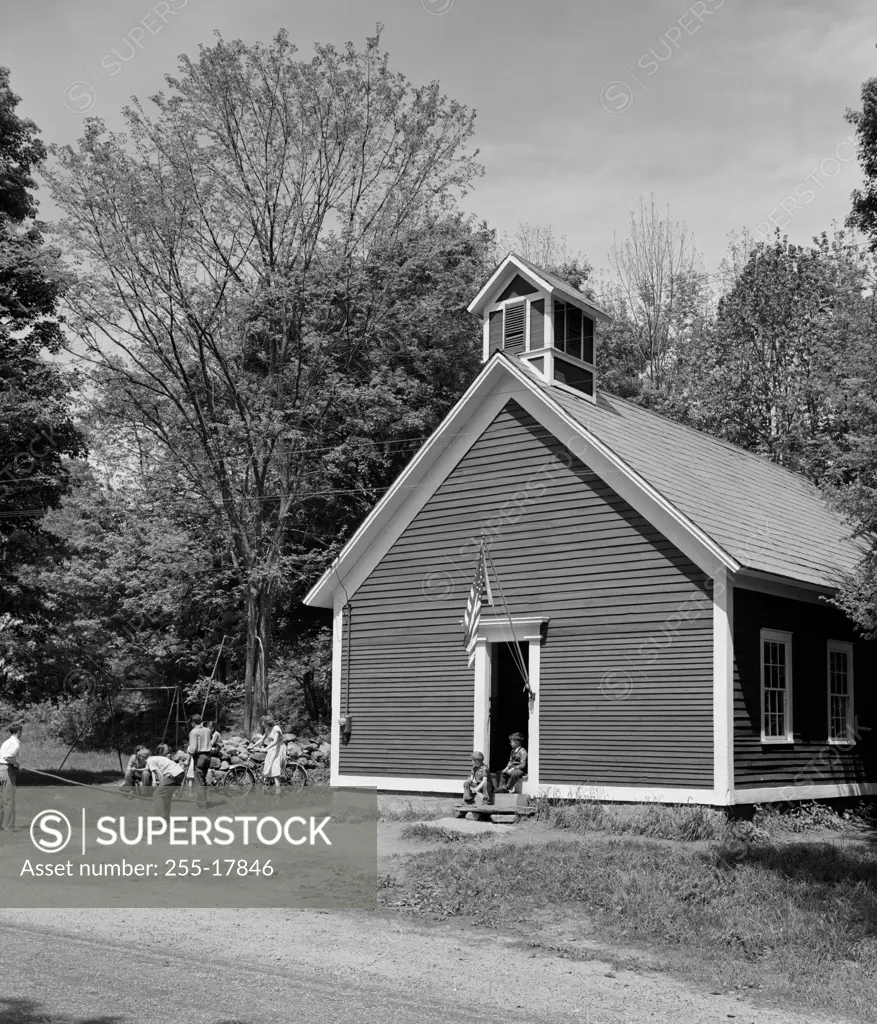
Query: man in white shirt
(169, 776)
(9, 765)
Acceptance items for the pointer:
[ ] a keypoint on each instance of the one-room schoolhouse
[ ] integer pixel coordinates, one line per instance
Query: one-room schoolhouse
(656, 624)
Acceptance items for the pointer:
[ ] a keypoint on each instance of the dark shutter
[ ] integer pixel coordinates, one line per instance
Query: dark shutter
(494, 337)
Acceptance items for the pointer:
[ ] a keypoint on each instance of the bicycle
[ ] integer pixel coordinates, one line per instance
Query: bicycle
(243, 777)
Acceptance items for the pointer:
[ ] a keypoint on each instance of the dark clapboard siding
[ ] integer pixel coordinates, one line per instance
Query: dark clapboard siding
(626, 687)
(537, 323)
(494, 336)
(810, 761)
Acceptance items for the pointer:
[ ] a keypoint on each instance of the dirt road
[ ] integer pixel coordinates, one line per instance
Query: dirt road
(244, 967)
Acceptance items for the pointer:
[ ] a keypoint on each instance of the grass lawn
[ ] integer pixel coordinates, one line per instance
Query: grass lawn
(46, 753)
(793, 922)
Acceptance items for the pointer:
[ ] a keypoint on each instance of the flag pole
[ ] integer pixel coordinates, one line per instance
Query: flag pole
(512, 643)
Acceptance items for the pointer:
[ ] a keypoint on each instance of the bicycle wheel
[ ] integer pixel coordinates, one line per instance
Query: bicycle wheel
(239, 778)
(295, 776)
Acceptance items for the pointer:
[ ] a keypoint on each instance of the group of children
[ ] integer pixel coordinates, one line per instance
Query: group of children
(480, 781)
(163, 774)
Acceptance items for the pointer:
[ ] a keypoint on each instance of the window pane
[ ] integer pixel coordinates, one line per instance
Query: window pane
(560, 326)
(574, 332)
(840, 704)
(587, 340)
(773, 653)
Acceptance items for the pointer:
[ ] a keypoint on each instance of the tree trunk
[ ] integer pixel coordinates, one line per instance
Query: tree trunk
(307, 678)
(256, 669)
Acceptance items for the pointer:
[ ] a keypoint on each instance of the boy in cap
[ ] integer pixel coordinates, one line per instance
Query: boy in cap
(517, 766)
(480, 781)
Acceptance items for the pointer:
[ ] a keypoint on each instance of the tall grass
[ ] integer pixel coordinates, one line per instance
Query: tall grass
(687, 822)
(693, 822)
(798, 921)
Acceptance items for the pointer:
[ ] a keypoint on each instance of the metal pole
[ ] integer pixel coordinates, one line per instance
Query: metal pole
(212, 674)
(76, 739)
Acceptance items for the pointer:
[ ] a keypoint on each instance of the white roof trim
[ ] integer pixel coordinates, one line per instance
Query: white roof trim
(480, 300)
(517, 265)
(383, 525)
(339, 571)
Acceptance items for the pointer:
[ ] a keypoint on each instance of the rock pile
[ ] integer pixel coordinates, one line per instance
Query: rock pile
(311, 754)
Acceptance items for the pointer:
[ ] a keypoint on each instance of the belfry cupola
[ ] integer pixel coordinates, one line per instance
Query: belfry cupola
(538, 317)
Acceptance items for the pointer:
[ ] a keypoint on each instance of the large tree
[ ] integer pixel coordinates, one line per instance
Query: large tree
(854, 469)
(37, 431)
(244, 251)
(772, 374)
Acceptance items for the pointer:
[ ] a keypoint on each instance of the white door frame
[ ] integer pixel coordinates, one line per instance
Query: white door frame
(521, 629)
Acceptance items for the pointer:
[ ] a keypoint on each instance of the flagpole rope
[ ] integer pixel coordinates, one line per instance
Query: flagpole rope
(516, 651)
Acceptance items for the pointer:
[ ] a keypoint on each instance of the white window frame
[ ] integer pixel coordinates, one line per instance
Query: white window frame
(782, 637)
(500, 307)
(846, 648)
(579, 360)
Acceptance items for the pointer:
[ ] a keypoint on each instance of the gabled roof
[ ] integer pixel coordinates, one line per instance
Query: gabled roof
(551, 283)
(722, 505)
(769, 519)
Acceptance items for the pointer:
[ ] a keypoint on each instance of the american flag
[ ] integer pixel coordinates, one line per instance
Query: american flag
(472, 616)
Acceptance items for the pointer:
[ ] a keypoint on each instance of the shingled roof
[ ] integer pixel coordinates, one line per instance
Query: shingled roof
(767, 518)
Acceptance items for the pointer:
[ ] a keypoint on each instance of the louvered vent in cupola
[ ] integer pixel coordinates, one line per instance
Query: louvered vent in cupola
(513, 329)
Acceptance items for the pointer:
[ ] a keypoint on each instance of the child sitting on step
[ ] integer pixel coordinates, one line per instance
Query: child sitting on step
(480, 781)
(516, 769)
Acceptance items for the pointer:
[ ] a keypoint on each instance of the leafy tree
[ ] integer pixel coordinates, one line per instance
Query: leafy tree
(854, 472)
(235, 303)
(864, 212)
(37, 430)
(771, 374)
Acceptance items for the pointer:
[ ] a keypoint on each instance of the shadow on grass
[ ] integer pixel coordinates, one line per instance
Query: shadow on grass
(823, 864)
(91, 778)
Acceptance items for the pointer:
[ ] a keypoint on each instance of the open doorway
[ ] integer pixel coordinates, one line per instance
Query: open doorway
(509, 710)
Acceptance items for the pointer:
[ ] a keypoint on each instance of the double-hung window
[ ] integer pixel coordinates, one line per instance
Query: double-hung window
(776, 686)
(841, 724)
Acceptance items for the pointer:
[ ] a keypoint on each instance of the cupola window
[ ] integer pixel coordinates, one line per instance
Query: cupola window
(573, 332)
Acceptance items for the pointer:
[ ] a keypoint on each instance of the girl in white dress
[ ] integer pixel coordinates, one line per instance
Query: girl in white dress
(275, 751)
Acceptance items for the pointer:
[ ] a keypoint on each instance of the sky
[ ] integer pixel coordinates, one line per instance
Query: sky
(730, 112)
